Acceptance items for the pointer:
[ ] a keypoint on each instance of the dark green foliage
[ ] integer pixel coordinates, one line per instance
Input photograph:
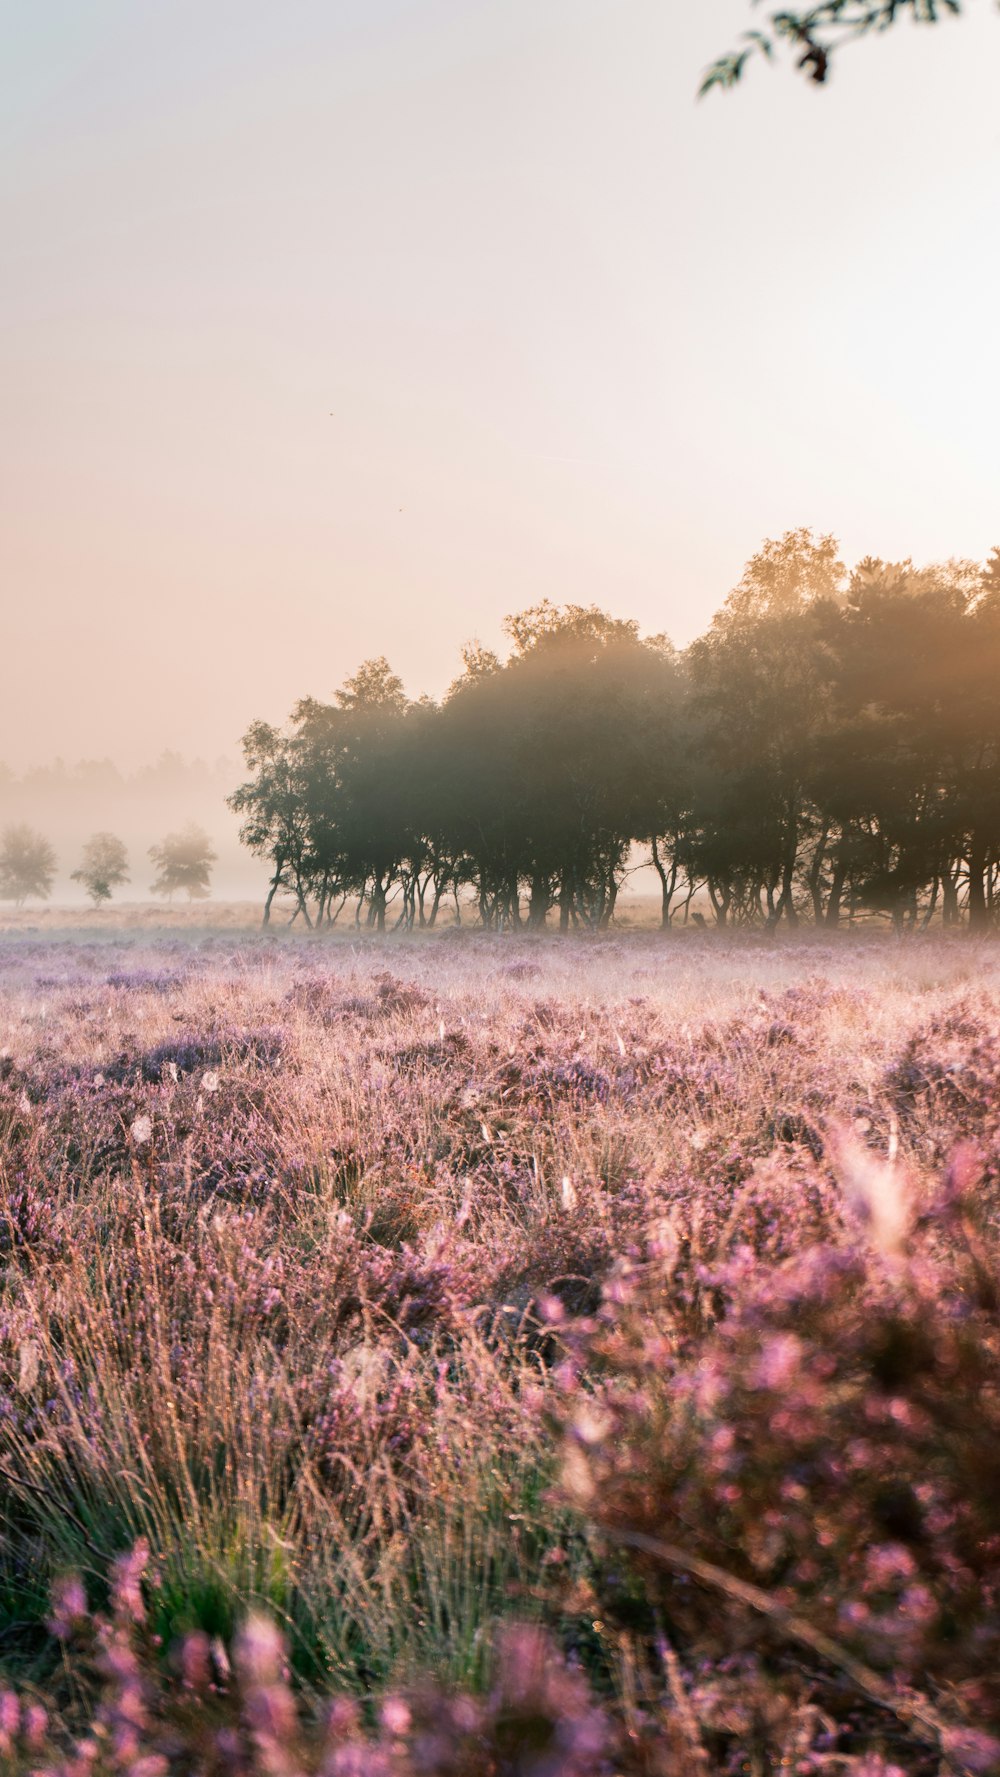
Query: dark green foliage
(829, 749)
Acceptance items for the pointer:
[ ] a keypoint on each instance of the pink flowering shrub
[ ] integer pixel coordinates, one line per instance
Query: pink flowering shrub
(806, 1452)
(523, 1358)
(217, 1713)
(948, 1077)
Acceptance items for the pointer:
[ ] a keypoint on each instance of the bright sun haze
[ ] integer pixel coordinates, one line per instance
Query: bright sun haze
(344, 328)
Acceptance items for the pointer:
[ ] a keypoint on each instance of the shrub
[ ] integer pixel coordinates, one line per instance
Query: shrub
(806, 1454)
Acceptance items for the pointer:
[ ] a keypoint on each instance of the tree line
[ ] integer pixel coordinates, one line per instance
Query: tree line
(28, 864)
(829, 750)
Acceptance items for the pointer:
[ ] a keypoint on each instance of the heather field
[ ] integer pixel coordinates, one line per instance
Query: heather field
(471, 1353)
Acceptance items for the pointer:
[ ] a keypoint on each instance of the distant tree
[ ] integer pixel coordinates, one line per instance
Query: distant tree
(27, 864)
(815, 33)
(184, 861)
(104, 867)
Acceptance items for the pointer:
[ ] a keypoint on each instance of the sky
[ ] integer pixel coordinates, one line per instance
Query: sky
(336, 328)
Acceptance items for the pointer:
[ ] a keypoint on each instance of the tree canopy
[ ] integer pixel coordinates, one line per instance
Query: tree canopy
(829, 749)
(183, 861)
(103, 868)
(27, 864)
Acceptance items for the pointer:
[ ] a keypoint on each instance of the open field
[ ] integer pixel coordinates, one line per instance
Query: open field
(586, 1352)
(638, 910)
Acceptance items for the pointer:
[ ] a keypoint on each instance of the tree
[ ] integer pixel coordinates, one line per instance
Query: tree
(183, 861)
(759, 703)
(919, 660)
(374, 687)
(815, 33)
(104, 867)
(332, 802)
(27, 864)
(829, 748)
(785, 576)
(276, 804)
(366, 732)
(551, 765)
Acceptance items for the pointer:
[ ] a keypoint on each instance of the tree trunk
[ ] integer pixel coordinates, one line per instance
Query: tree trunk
(538, 902)
(514, 900)
(720, 899)
(272, 891)
(668, 882)
(608, 910)
(303, 903)
(816, 863)
(836, 895)
(978, 916)
(565, 901)
(786, 903)
(378, 905)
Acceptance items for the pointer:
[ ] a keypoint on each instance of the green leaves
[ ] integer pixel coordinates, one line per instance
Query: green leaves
(729, 69)
(817, 32)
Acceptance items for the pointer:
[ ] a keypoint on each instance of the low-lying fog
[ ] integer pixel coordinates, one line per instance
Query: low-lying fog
(69, 802)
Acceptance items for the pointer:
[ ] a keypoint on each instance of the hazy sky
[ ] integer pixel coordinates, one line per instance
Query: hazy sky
(341, 327)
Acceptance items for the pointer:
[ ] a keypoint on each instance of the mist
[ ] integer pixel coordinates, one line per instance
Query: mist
(67, 802)
(343, 330)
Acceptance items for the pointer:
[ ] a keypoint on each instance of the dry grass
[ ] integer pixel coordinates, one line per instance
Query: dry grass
(277, 1214)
